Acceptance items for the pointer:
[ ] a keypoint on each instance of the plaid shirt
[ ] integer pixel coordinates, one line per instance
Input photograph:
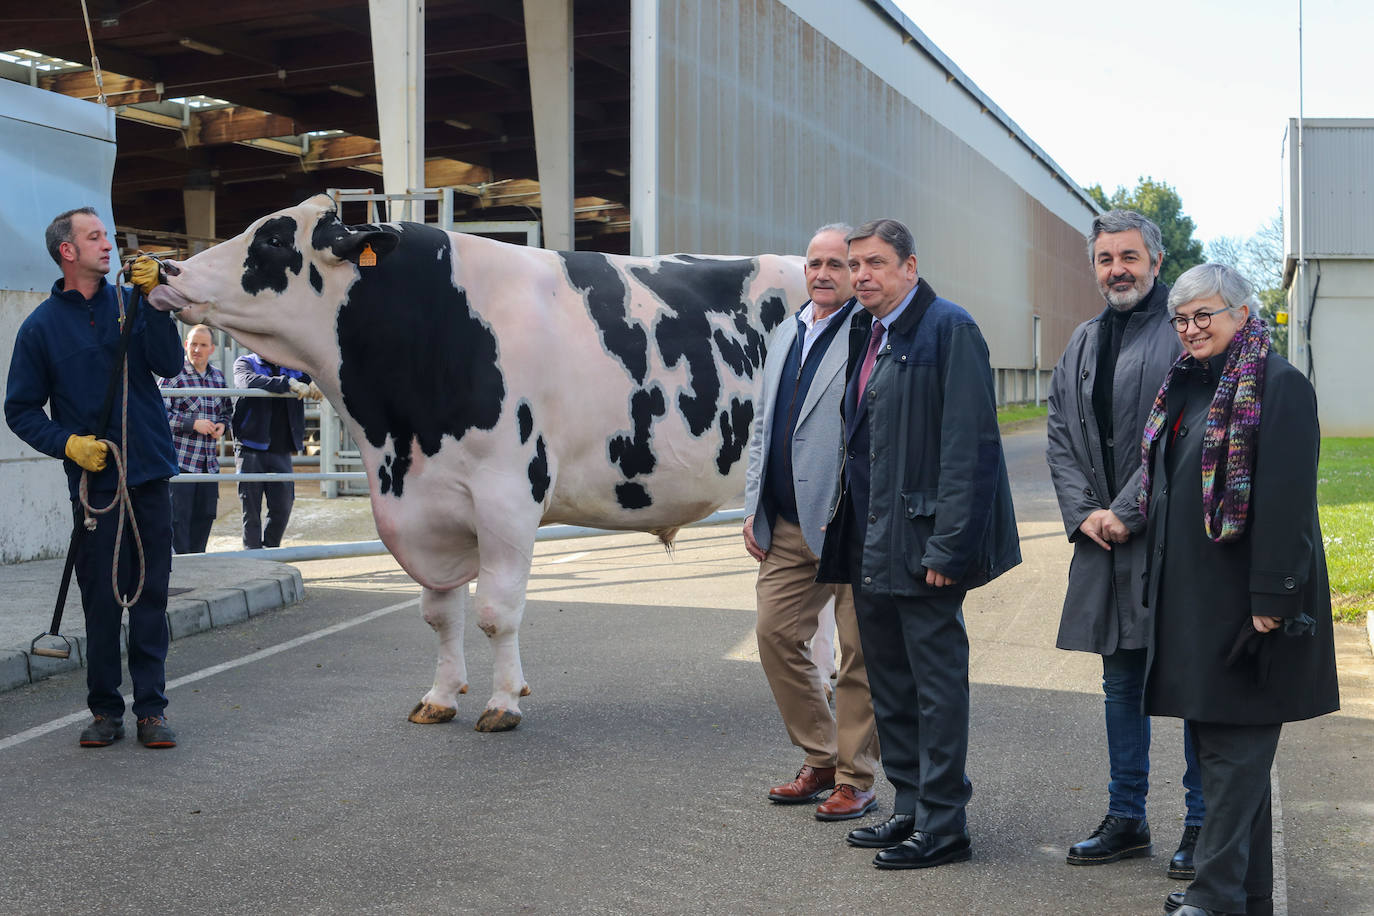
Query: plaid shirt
(196, 453)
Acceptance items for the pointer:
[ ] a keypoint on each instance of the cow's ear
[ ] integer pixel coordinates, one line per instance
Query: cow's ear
(351, 247)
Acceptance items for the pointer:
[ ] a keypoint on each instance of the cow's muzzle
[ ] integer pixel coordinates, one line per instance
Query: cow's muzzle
(166, 299)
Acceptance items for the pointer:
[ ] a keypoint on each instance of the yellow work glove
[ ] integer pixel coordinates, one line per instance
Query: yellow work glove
(144, 274)
(298, 388)
(87, 451)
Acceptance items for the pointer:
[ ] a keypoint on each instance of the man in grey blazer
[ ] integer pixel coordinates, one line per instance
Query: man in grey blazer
(794, 463)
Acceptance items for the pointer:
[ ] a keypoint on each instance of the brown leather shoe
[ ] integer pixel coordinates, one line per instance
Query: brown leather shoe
(810, 783)
(846, 802)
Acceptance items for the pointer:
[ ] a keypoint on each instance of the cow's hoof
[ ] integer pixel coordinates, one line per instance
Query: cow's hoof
(429, 714)
(497, 720)
(525, 691)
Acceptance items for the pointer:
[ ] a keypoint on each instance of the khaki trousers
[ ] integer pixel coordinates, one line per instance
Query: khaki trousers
(789, 602)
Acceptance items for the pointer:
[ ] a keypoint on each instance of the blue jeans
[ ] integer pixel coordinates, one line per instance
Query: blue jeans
(1128, 741)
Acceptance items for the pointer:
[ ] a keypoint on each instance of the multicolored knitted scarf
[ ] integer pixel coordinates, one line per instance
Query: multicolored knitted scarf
(1232, 425)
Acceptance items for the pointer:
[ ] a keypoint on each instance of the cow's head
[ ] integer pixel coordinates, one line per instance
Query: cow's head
(278, 278)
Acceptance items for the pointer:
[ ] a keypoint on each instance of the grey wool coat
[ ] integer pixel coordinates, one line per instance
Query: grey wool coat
(1103, 610)
(815, 440)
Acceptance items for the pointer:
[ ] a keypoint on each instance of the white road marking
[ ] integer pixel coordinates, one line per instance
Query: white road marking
(40, 730)
(1280, 869)
(568, 559)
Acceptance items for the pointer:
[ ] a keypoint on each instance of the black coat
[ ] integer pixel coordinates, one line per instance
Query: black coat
(1102, 609)
(1204, 594)
(940, 498)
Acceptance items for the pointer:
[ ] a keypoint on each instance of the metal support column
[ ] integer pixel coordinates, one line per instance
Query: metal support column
(644, 127)
(549, 42)
(398, 61)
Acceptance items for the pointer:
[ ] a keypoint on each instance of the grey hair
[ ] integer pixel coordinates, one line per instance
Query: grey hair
(841, 228)
(60, 230)
(1114, 221)
(1213, 279)
(892, 231)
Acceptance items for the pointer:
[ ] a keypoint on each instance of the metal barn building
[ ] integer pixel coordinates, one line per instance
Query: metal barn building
(640, 126)
(1329, 266)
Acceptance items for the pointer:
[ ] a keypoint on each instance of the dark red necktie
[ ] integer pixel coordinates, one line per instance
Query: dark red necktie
(866, 367)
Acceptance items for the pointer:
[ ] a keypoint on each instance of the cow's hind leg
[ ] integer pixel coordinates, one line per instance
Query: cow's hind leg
(445, 612)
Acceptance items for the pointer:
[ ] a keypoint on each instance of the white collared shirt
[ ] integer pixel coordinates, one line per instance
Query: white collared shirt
(814, 326)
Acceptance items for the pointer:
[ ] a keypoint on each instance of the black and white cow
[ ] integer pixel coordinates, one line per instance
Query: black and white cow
(492, 388)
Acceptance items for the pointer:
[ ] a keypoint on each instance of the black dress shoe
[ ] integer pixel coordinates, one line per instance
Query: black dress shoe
(1115, 838)
(1254, 906)
(1181, 865)
(926, 850)
(880, 836)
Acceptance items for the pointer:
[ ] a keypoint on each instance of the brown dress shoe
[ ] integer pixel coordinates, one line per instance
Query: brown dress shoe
(810, 783)
(846, 802)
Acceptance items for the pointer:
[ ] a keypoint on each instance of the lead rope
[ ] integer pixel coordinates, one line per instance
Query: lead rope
(120, 454)
(95, 61)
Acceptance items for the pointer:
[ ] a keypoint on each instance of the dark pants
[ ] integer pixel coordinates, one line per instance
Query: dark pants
(916, 652)
(280, 497)
(194, 507)
(1234, 857)
(148, 634)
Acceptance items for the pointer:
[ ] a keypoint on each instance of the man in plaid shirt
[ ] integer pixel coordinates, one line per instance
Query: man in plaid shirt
(198, 423)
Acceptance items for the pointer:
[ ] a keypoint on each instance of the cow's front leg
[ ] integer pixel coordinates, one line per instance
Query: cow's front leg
(823, 649)
(445, 612)
(500, 606)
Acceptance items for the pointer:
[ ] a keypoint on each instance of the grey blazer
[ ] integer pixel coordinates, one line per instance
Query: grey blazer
(816, 442)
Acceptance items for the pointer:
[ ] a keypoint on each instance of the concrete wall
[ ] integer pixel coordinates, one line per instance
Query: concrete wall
(56, 153)
(774, 118)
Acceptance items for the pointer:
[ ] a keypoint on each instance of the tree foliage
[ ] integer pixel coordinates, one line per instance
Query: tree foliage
(1162, 204)
(1259, 259)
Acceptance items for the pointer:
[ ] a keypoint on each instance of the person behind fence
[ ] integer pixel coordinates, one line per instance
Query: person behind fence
(268, 431)
(198, 423)
(65, 355)
(1236, 574)
(794, 463)
(1100, 395)
(924, 514)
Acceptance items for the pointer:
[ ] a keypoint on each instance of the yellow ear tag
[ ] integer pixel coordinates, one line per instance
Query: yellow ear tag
(368, 258)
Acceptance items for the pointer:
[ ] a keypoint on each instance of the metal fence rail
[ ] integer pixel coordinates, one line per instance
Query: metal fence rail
(377, 548)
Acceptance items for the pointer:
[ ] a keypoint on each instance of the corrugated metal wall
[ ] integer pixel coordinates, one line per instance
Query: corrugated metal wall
(767, 129)
(1338, 187)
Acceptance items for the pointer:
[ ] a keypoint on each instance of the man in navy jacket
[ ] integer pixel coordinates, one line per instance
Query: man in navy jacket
(268, 431)
(64, 357)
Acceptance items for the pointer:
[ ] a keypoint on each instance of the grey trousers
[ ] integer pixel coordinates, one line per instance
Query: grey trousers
(1234, 857)
(916, 653)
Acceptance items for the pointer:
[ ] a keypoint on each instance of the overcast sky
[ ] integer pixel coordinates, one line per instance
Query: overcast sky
(1196, 93)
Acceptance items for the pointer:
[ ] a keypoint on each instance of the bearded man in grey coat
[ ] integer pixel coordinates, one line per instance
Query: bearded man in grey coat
(1100, 396)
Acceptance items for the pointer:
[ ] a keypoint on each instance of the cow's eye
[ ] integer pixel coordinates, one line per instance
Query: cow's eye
(274, 241)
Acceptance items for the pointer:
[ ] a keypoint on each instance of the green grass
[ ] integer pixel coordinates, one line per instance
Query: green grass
(1345, 500)
(1016, 413)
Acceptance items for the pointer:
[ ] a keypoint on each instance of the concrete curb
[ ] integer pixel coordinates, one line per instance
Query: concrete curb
(196, 612)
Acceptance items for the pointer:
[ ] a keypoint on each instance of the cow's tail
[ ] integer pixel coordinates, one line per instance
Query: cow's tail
(665, 536)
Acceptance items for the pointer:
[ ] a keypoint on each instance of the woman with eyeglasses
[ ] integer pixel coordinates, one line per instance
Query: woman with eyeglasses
(1236, 574)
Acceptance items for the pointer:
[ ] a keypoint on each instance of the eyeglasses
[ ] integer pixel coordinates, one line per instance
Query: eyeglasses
(1202, 320)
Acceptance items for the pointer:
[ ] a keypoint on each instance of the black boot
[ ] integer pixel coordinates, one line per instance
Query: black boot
(1115, 838)
(1181, 865)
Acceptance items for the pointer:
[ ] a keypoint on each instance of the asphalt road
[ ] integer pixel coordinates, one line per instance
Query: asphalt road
(636, 782)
